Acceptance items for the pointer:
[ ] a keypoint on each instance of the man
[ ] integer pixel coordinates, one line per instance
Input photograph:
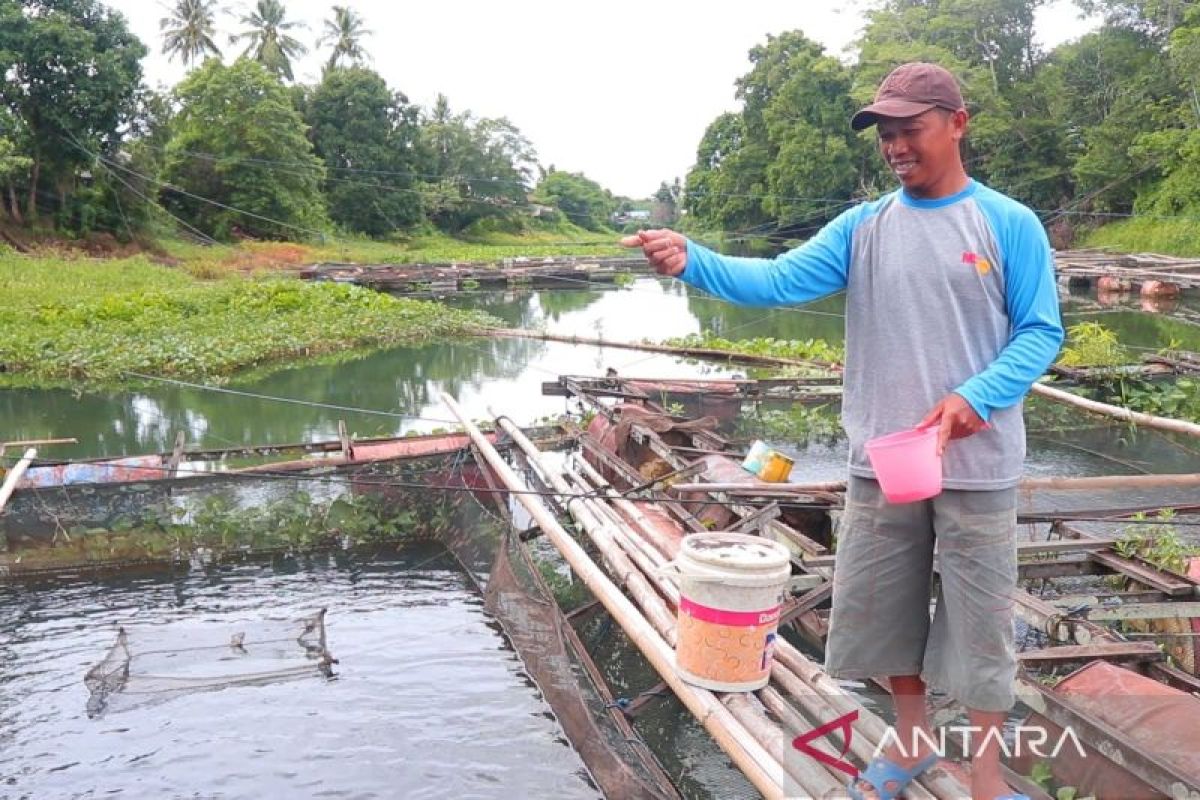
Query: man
(951, 315)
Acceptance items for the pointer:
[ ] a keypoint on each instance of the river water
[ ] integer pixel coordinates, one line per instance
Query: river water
(430, 700)
(504, 375)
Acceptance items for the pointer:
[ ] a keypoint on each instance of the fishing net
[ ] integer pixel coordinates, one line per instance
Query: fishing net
(513, 573)
(153, 665)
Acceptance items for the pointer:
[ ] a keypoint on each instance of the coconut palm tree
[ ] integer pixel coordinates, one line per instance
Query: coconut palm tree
(188, 30)
(267, 39)
(346, 32)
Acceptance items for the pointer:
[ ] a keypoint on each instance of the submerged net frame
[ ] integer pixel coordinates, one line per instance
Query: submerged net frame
(254, 654)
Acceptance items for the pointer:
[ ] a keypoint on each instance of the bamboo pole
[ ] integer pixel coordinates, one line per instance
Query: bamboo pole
(607, 536)
(1176, 480)
(1180, 480)
(1116, 412)
(686, 352)
(14, 475)
(827, 703)
(759, 766)
(30, 442)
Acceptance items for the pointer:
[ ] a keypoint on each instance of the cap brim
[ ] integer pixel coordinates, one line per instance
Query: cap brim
(899, 109)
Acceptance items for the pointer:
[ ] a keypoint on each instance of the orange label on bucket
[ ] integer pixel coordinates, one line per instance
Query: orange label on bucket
(727, 646)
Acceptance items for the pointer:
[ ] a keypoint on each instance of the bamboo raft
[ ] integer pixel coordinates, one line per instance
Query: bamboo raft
(674, 476)
(1147, 272)
(1115, 272)
(608, 496)
(443, 279)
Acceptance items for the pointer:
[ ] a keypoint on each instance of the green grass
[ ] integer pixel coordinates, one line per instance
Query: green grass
(484, 244)
(1175, 237)
(72, 322)
(493, 246)
(799, 349)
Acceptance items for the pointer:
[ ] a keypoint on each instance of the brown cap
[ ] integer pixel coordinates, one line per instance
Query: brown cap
(909, 90)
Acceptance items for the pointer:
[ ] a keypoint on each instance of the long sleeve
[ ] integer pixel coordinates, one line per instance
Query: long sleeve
(1031, 300)
(817, 268)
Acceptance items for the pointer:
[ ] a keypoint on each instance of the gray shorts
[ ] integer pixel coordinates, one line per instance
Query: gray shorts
(880, 625)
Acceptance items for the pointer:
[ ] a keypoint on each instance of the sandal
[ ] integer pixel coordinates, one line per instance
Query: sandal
(882, 771)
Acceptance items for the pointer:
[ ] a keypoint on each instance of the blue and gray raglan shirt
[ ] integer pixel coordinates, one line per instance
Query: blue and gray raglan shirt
(955, 294)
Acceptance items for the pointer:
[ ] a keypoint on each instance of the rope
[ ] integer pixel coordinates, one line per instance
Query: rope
(291, 400)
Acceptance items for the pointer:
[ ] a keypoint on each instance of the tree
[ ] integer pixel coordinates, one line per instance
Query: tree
(238, 140)
(1108, 88)
(189, 29)
(72, 67)
(1013, 144)
(789, 157)
(480, 167)
(367, 136)
(121, 196)
(580, 199)
(346, 32)
(666, 204)
(267, 39)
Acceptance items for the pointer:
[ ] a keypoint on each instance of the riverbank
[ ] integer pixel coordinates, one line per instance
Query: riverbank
(185, 310)
(73, 322)
(434, 247)
(1172, 237)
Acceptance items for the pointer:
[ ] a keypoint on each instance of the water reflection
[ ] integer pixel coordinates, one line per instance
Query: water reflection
(499, 373)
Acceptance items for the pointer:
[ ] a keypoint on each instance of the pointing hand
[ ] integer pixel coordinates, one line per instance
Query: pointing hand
(666, 250)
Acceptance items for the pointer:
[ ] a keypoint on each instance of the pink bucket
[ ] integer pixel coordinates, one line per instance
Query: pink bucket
(907, 464)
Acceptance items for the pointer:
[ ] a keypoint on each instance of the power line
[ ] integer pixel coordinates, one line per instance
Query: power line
(291, 400)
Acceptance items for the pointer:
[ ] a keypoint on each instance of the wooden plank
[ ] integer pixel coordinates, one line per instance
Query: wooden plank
(807, 602)
(800, 545)
(1059, 567)
(1173, 610)
(754, 522)
(1110, 598)
(798, 584)
(176, 455)
(1082, 545)
(1172, 676)
(1115, 652)
(344, 438)
(632, 477)
(1052, 568)
(1167, 584)
(1113, 743)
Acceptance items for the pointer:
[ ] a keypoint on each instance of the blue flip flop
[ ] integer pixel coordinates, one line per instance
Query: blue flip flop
(1014, 797)
(882, 771)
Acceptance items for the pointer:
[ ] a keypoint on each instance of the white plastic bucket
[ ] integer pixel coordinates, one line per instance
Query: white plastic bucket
(731, 589)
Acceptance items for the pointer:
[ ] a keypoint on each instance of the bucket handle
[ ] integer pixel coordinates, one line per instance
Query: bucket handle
(671, 570)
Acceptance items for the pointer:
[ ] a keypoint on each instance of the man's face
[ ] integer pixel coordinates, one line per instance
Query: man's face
(920, 150)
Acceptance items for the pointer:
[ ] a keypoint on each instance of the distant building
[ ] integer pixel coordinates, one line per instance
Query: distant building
(633, 215)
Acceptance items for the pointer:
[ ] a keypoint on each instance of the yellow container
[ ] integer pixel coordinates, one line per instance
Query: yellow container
(776, 467)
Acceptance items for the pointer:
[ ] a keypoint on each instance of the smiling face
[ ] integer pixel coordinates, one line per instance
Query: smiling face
(923, 151)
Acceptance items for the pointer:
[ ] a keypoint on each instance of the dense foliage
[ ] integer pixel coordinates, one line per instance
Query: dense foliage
(577, 197)
(1101, 127)
(235, 127)
(368, 137)
(81, 321)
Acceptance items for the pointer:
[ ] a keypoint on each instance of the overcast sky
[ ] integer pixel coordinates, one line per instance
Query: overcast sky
(619, 90)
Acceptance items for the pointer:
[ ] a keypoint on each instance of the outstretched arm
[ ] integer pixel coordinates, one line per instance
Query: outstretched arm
(816, 268)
